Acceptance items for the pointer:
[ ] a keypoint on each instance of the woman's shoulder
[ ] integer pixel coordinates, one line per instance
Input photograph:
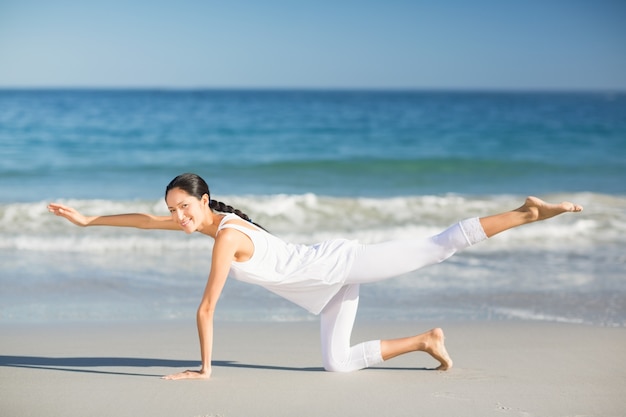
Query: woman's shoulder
(235, 224)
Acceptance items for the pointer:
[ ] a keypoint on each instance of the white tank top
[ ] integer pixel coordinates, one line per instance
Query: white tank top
(307, 275)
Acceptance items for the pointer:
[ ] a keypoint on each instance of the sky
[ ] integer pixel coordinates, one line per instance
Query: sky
(319, 44)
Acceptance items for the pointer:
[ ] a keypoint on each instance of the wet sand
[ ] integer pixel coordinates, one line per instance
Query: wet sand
(274, 369)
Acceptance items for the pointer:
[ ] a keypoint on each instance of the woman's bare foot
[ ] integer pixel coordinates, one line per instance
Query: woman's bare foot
(538, 209)
(534, 209)
(431, 342)
(434, 345)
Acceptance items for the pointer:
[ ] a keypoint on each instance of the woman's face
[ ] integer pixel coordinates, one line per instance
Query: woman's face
(186, 210)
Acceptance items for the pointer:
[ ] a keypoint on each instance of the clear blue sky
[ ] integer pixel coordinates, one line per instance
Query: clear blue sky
(469, 44)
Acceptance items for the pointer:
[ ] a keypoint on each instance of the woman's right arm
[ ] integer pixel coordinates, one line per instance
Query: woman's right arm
(224, 250)
(138, 220)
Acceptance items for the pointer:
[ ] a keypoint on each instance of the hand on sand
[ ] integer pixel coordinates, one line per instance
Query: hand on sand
(188, 375)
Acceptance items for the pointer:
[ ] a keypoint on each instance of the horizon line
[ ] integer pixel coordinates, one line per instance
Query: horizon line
(615, 90)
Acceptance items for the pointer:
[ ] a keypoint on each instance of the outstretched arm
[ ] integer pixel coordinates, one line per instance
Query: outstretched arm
(138, 220)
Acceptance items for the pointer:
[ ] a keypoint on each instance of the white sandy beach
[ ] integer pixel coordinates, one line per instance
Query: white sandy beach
(273, 369)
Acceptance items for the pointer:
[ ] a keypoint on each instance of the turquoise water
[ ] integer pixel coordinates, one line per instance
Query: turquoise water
(311, 165)
(127, 144)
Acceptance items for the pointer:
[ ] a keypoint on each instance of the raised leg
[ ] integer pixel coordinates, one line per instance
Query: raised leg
(382, 261)
(534, 209)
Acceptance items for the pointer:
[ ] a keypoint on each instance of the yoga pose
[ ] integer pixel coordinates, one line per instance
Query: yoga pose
(323, 278)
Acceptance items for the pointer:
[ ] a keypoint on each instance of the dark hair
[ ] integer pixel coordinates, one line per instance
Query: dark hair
(195, 186)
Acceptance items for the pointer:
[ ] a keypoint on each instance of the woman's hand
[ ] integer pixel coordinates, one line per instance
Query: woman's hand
(69, 213)
(189, 375)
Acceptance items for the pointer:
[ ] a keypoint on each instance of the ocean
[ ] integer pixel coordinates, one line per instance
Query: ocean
(310, 165)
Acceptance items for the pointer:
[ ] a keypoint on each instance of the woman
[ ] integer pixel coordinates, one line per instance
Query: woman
(322, 278)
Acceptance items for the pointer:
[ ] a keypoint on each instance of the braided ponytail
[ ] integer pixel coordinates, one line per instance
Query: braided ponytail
(225, 208)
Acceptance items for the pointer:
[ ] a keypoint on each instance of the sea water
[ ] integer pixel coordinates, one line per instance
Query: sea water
(309, 166)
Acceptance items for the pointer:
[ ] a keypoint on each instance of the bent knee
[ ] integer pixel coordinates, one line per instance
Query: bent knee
(339, 362)
(335, 366)
(352, 359)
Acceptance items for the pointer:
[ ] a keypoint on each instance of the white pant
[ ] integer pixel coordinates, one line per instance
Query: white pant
(378, 262)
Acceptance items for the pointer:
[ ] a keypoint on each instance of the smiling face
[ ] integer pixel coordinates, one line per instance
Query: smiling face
(186, 210)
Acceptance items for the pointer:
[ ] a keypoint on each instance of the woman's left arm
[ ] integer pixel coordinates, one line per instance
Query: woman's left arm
(223, 254)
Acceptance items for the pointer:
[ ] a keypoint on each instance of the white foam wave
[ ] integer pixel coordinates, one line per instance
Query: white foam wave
(529, 315)
(309, 218)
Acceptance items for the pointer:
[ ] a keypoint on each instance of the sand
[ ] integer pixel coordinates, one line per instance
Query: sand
(273, 369)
